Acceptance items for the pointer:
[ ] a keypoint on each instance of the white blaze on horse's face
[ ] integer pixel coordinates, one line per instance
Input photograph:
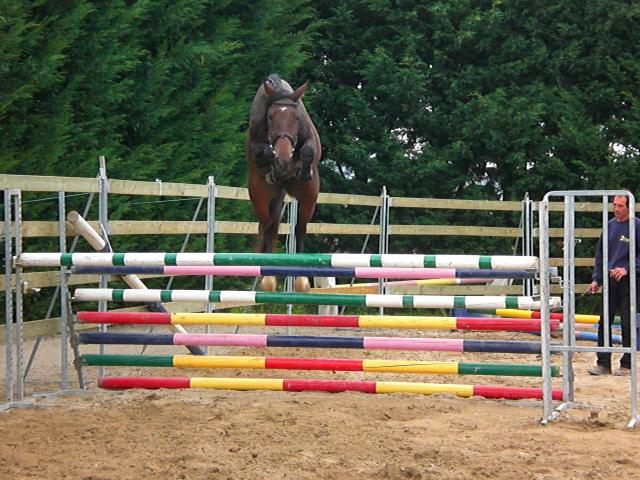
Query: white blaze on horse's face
(283, 134)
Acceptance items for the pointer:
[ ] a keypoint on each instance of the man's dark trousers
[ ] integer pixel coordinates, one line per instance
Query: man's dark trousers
(619, 302)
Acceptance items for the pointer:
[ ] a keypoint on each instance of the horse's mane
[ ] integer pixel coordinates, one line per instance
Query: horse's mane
(276, 81)
(281, 87)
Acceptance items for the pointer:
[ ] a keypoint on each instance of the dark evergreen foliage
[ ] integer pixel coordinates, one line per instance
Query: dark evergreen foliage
(477, 99)
(161, 88)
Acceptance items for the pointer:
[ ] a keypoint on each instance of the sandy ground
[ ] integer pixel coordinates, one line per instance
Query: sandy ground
(205, 434)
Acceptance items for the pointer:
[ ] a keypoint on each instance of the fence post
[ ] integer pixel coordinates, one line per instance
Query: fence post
(8, 291)
(62, 234)
(383, 246)
(103, 218)
(211, 232)
(292, 215)
(527, 239)
(568, 297)
(545, 313)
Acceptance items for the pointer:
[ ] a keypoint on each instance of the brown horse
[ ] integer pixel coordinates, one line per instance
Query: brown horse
(283, 151)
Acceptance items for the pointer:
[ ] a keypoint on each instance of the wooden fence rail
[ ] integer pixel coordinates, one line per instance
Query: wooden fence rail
(36, 229)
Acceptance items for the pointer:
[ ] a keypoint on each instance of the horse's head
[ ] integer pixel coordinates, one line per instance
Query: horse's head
(283, 120)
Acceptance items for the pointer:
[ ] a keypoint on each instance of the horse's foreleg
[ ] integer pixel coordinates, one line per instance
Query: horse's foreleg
(301, 232)
(263, 154)
(307, 153)
(268, 236)
(304, 215)
(268, 232)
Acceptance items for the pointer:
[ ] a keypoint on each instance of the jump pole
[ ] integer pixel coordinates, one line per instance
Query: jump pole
(360, 300)
(308, 341)
(98, 243)
(283, 271)
(312, 320)
(344, 260)
(392, 287)
(331, 364)
(299, 385)
(515, 313)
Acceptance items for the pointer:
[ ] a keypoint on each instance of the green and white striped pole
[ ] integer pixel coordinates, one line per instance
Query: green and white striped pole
(360, 300)
(346, 260)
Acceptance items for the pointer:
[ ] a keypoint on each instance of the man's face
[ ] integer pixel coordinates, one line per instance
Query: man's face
(620, 209)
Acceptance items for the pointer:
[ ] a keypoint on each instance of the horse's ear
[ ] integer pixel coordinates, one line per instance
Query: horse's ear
(297, 94)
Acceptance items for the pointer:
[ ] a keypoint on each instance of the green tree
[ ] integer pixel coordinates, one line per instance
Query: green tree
(488, 100)
(34, 107)
(477, 99)
(161, 88)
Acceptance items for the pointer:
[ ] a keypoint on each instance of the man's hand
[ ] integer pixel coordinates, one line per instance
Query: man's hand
(618, 273)
(593, 287)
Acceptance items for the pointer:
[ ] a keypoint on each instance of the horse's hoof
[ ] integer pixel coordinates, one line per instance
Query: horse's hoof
(302, 284)
(268, 284)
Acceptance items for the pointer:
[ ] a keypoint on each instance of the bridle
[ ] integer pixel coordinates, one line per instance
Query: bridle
(286, 135)
(293, 139)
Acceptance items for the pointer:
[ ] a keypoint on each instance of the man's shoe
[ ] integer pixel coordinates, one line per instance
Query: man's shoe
(599, 370)
(623, 372)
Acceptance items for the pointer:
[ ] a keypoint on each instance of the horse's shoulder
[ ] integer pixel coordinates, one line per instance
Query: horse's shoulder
(258, 112)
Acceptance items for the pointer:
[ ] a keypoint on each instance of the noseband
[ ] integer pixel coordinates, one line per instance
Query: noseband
(293, 139)
(286, 135)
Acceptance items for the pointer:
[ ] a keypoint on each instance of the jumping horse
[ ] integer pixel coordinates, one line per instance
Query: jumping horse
(283, 150)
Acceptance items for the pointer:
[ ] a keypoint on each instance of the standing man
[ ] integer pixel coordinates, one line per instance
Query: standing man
(619, 284)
